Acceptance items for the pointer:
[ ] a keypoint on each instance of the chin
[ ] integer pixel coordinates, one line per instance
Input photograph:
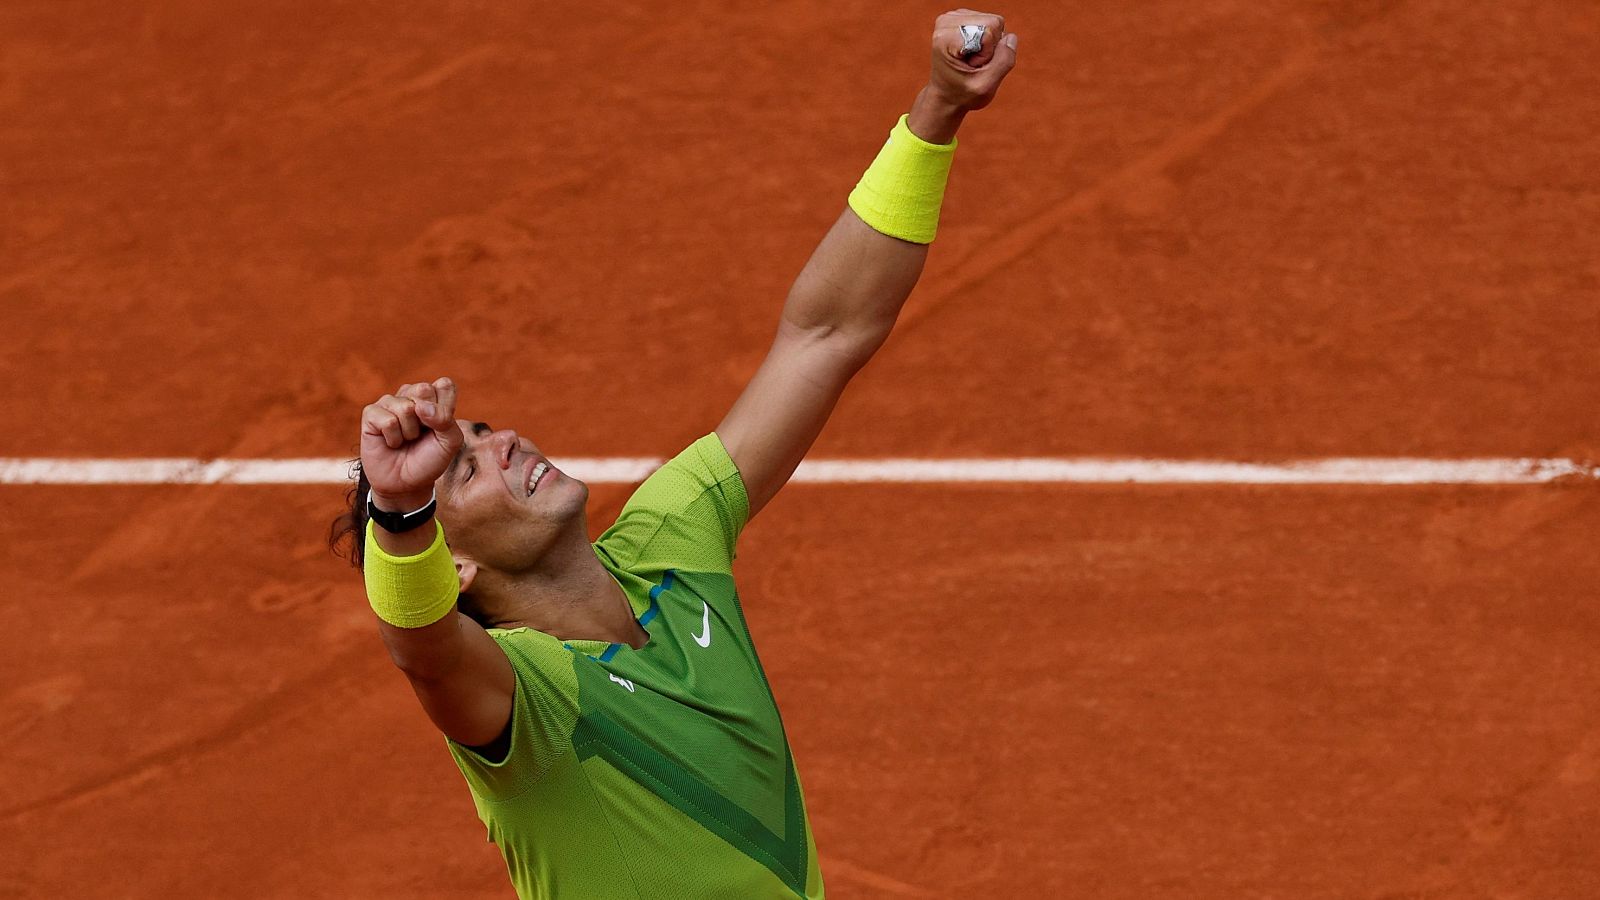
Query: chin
(571, 495)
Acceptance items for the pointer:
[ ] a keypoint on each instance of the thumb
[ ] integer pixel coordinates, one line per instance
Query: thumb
(1005, 55)
(440, 421)
(987, 80)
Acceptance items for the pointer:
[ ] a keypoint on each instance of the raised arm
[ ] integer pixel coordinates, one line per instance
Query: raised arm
(845, 302)
(461, 676)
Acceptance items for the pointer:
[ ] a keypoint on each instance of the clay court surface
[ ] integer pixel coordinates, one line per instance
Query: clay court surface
(1256, 231)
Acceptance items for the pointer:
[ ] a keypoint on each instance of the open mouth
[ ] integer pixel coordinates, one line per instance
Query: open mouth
(540, 469)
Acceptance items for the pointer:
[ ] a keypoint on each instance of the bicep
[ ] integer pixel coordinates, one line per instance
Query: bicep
(459, 674)
(784, 407)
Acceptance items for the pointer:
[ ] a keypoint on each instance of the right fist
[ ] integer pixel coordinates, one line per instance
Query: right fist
(407, 441)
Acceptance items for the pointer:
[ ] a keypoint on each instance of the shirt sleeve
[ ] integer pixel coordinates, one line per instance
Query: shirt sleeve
(544, 710)
(688, 514)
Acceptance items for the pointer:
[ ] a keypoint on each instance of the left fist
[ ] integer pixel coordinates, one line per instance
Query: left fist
(968, 80)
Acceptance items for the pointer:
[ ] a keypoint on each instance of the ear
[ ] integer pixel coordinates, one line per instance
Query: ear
(466, 570)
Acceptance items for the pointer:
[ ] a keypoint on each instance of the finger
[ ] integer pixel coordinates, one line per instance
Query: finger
(953, 42)
(372, 418)
(444, 426)
(405, 411)
(994, 28)
(445, 388)
(961, 13)
(952, 21)
(422, 390)
(380, 422)
(440, 414)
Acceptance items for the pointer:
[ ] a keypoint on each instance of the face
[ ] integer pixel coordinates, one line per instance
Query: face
(502, 503)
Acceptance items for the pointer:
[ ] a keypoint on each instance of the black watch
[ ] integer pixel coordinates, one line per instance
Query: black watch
(399, 522)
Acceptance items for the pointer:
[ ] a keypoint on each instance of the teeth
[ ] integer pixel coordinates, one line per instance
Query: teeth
(535, 475)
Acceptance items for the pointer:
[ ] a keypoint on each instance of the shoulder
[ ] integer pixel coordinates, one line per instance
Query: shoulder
(702, 467)
(529, 649)
(688, 513)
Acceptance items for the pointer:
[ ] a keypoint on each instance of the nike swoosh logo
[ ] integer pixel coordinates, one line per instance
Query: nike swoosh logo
(704, 640)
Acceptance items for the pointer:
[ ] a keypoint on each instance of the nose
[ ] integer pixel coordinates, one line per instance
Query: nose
(502, 442)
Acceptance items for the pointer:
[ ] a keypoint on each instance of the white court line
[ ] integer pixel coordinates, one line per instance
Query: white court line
(1075, 470)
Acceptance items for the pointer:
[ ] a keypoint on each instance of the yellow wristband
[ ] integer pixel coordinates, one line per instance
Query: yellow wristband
(902, 190)
(411, 591)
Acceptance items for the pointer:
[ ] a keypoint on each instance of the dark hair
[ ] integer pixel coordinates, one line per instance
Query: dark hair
(351, 526)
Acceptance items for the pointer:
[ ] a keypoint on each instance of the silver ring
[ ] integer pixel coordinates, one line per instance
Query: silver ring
(971, 39)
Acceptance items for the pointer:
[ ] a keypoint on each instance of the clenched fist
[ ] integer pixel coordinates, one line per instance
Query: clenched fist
(407, 442)
(962, 81)
(969, 81)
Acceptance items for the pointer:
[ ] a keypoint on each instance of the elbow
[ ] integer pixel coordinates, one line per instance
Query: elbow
(848, 345)
(424, 654)
(857, 346)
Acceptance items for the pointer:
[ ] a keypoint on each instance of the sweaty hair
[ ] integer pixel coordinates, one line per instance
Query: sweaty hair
(351, 525)
(347, 537)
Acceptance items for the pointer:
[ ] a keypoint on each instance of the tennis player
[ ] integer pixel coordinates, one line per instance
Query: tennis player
(604, 701)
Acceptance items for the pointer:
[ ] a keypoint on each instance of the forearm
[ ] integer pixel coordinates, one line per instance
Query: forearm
(857, 279)
(852, 288)
(847, 298)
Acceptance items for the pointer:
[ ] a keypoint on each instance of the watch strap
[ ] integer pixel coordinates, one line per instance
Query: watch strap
(401, 522)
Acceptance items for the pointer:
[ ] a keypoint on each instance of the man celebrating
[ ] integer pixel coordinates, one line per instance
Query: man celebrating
(604, 701)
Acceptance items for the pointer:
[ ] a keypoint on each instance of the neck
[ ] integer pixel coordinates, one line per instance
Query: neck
(569, 595)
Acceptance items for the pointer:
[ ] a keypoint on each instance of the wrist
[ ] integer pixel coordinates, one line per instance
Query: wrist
(411, 581)
(404, 502)
(934, 117)
(902, 191)
(401, 531)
